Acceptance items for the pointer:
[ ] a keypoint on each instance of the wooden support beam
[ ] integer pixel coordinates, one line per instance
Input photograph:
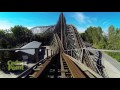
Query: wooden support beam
(74, 70)
(62, 68)
(51, 53)
(47, 53)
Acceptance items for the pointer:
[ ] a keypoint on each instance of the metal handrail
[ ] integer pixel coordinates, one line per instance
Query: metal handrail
(13, 49)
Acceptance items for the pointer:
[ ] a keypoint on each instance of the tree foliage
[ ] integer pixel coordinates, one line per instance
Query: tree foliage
(16, 35)
(95, 36)
(21, 34)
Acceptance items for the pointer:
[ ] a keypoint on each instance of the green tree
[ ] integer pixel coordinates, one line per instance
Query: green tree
(94, 35)
(21, 34)
(111, 37)
(3, 43)
(2, 34)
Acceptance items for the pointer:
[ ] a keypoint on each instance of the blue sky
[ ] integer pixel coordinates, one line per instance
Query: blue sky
(81, 20)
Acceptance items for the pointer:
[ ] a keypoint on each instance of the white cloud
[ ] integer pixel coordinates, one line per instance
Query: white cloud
(4, 24)
(87, 21)
(29, 27)
(105, 23)
(80, 17)
(83, 19)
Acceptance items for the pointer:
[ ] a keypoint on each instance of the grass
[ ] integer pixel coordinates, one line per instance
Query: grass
(115, 55)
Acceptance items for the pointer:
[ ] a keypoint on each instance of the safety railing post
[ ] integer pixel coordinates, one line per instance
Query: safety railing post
(51, 52)
(66, 51)
(82, 55)
(47, 53)
(71, 52)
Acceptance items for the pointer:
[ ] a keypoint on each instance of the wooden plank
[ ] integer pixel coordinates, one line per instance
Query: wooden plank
(33, 75)
(89, 74)
(62, 68)
(75, 71)
(42, 68)
(84, 68)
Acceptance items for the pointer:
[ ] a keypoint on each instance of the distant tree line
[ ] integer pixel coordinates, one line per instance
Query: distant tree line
(98, 39)
(16, 37)
(12, 38)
